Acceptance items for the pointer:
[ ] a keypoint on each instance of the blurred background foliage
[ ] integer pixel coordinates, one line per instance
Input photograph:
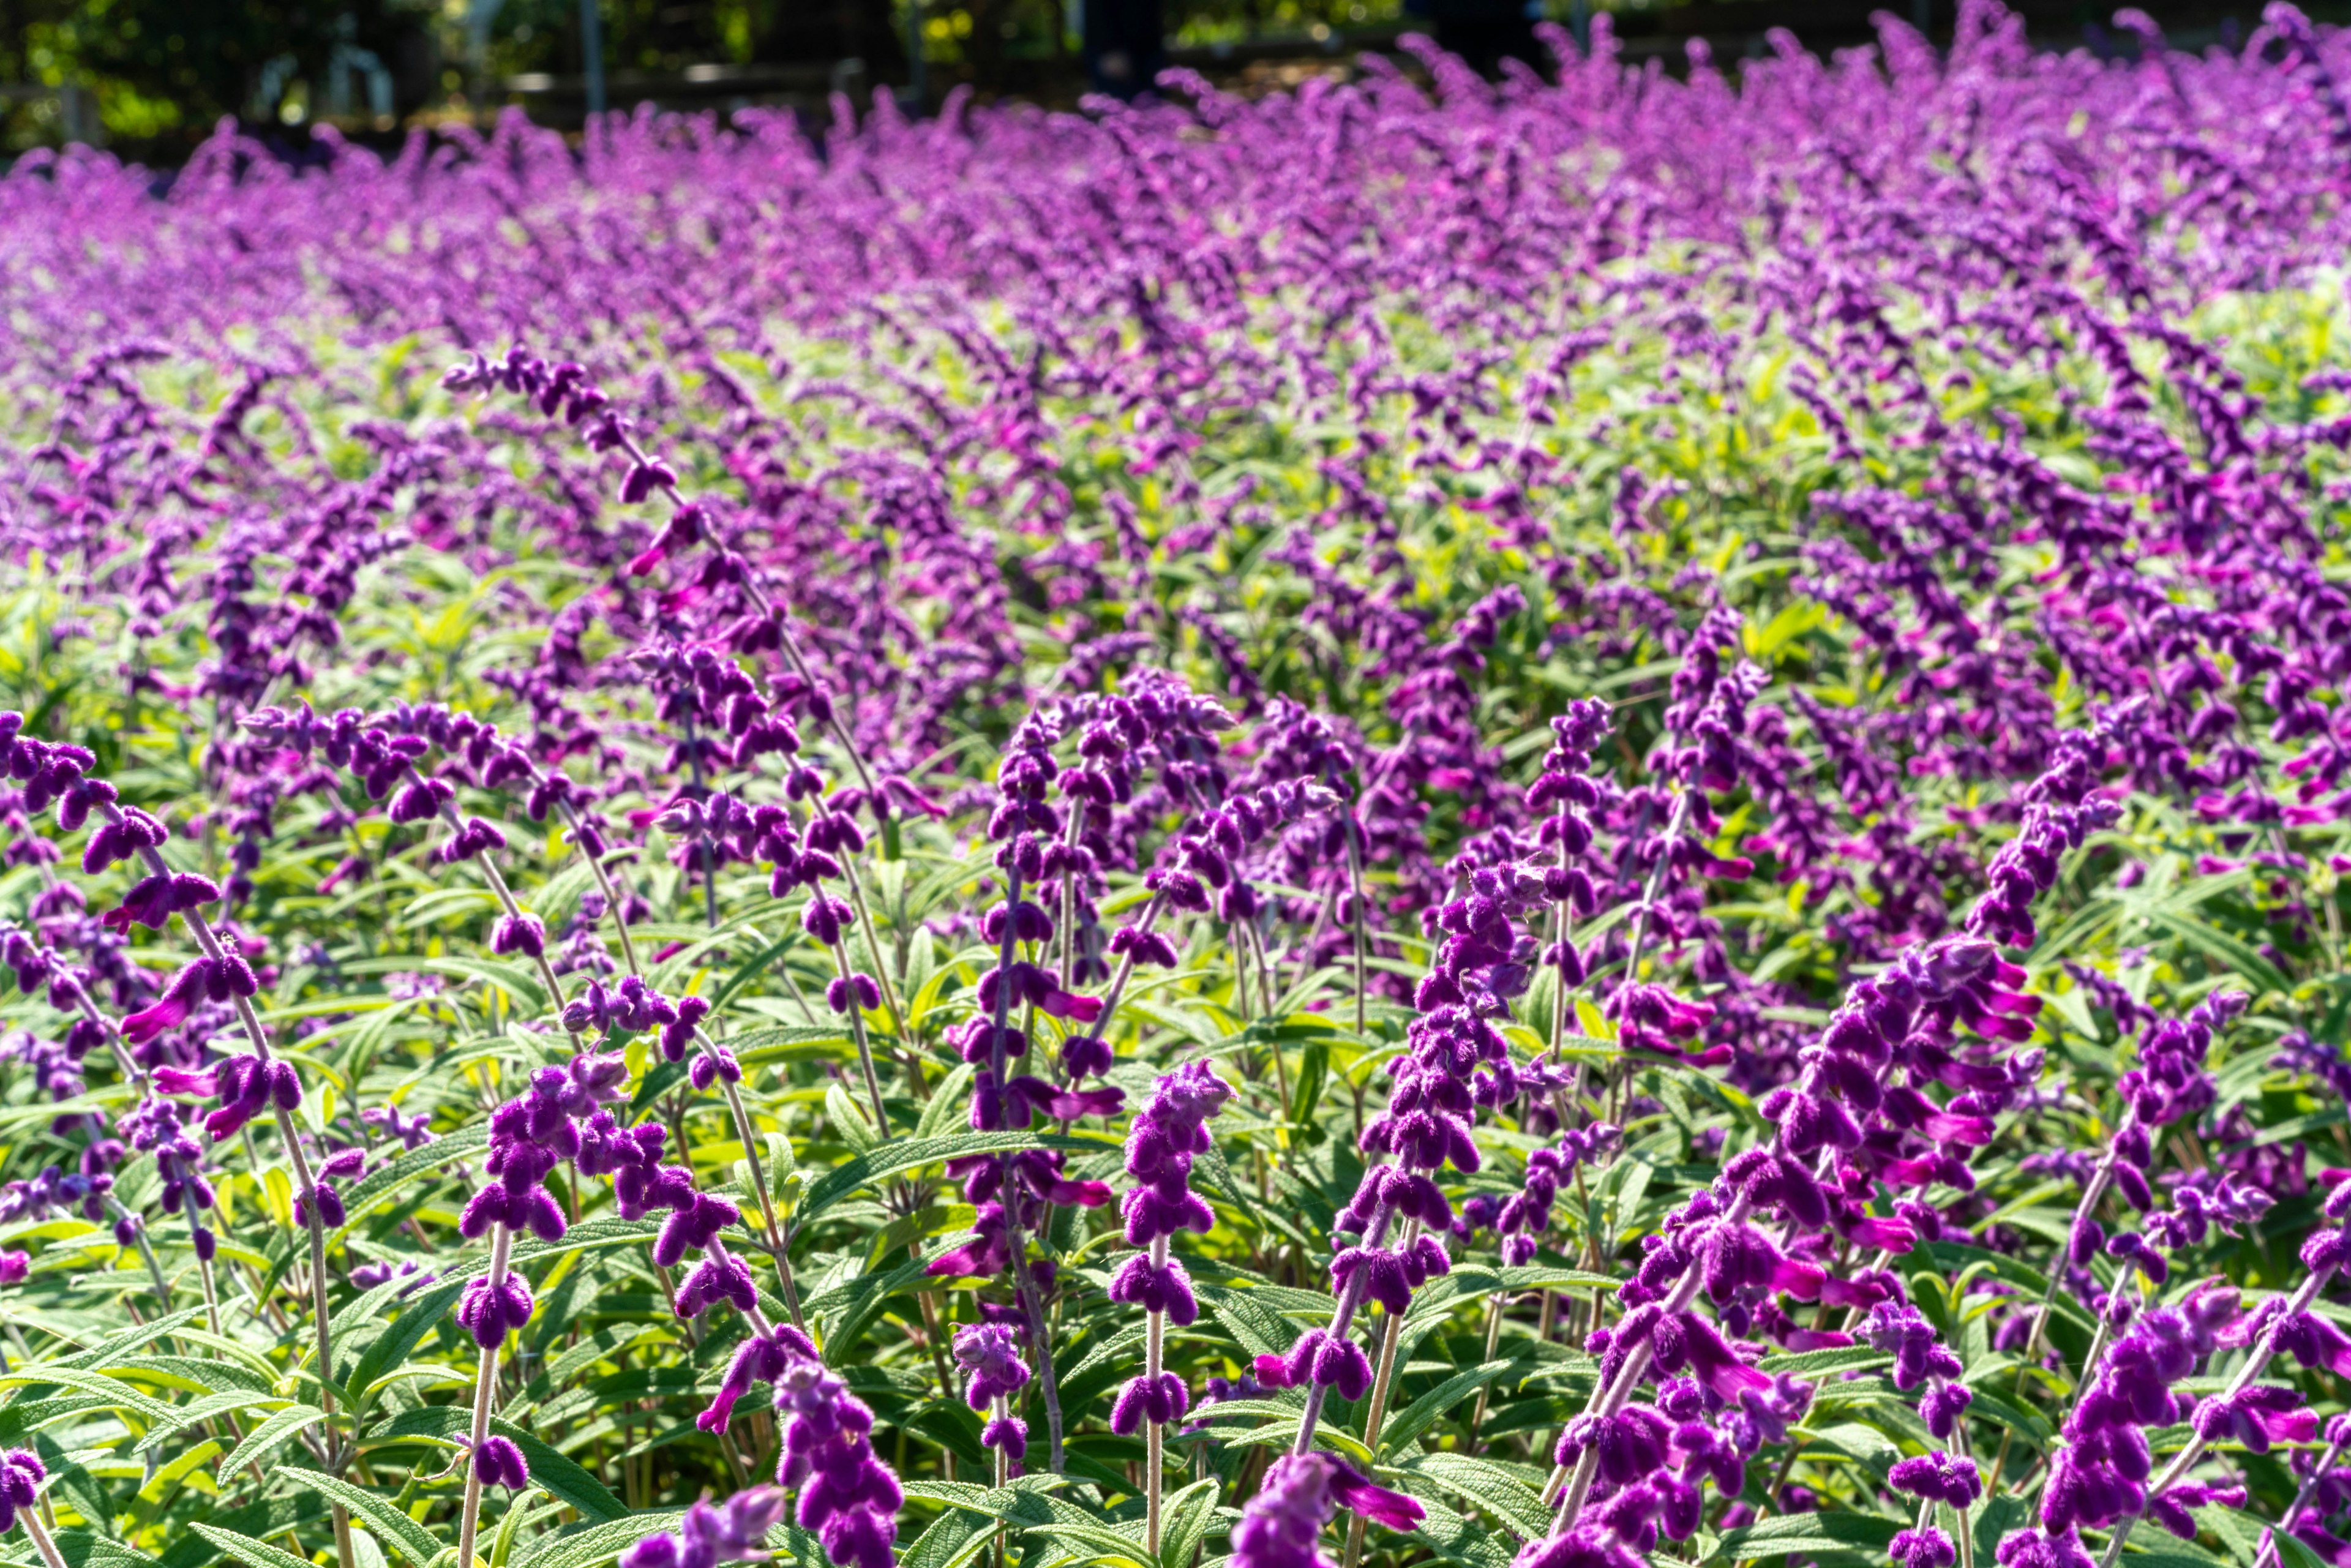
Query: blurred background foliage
(149, 79)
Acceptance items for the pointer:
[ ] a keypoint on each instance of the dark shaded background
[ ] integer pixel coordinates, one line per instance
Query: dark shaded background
(149, 79)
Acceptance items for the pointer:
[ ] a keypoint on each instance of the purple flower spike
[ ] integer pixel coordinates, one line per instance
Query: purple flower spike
(1158, 1400)
(762, 1358)
(1358, 1493)
(1156, 1288)
(498, 1463)
(1280, 1526)
(992, 1356)
(1009, 1434)
(692, 1227)
(1928, 1548)
(1945, 1478)
(715, 1280)
(847, 1496)
(732, 1531)
(491, 1313)
(21, 1475)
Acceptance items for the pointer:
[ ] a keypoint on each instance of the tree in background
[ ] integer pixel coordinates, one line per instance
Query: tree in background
(165, 71)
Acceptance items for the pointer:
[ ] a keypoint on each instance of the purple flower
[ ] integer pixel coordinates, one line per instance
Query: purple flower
(491, 1313)
(498, 1463)
(21, 1475)
(1280, 1525)
(847, 1496)
(733, 1531)
(1945, 1478)
(992, 1356)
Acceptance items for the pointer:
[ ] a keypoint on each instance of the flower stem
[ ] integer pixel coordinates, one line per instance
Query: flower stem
(1015, 1242)
(1355, 902)
(1341, 1319)
(31, 1520)
(1155, 1344)
(743, 1130)
(484, 1383)
(597, 869)
(864, 1048)
(2256, 1363)
(1493, 1337)
(507, 903)
(1381, 1379)
(2267, 1552)
(204, 1266)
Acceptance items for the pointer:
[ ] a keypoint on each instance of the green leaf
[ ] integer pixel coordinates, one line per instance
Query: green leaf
(587, 1236)
(950, 1101)
(1313, 1071)
(129, 1339)
(518, 982)
(1863, 1445)
(1487, 1484)
(1992, 1521)
(1018, 1505)
(2293, 1553)
(269, 1434)
(166, 1480)
(865, 1296)
(952, 1539)
(1405, 1426)
(389, 1349)
(2226, 951)
(187, 1416)
(74, 1483)
(1106, 1542)
(1807, 1533)
(550, 1473)
(1815, 1362)
(908, 1154)
(598, 1542)
(251, 1552)
(416, 1542)
(1258, 1329)
(849, 1121)
(110, 1389)
(87, 1549)
(449, 1150)
(1184, 1517)
(254, 1519)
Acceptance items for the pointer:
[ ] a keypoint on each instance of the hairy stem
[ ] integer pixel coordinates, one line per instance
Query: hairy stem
(864, 1048)
(30, 1518)
(1381, 1377)
(1363, 942)
(485, 1387)
(2256, 1363)
(1341, 1317)
(1154, 1346)
(1015, 1243)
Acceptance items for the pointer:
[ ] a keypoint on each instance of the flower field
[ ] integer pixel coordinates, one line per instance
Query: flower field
(1588, 822)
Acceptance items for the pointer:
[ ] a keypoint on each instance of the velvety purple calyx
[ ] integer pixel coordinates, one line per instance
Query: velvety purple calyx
(1280, 1526)
(1156, 1288)
(734, 1531)
(992, 1359)
(491, 1313)
(21, 1475)
(1167, 1132)
(1159, 1400)
(761, 1358)
(847, 1495)
(1944, 1477)
(498, 1463)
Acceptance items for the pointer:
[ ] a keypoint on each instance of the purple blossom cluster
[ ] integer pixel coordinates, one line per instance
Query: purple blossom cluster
(1586, 735)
